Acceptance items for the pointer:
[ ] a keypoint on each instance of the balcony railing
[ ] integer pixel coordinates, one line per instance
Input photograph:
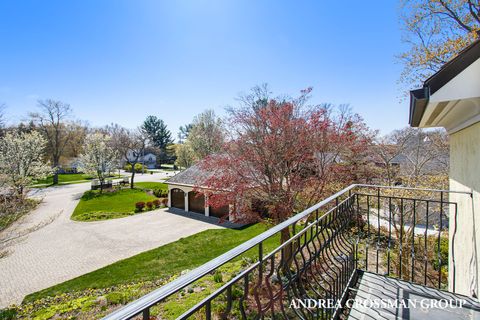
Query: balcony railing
(393, 231)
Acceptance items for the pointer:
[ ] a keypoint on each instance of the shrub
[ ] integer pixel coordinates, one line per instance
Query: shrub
(160, 193)
(164, 201)
(116, 298)
(149, 205)
(443, 252)
(156, 203)
(7, 314)
(139, 206)
(217, 277)
(138, 168)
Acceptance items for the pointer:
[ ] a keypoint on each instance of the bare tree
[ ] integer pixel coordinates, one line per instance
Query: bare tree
(51, 121)
(75, 144)
(411, 155)
(435, 31)
(130, 144)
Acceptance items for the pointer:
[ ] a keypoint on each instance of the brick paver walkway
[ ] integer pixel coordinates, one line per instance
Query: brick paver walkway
(64, 249)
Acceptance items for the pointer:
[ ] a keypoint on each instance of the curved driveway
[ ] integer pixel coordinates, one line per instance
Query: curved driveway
(61, 249)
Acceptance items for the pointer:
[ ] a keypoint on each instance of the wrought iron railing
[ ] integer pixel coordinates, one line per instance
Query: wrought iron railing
(394, 231)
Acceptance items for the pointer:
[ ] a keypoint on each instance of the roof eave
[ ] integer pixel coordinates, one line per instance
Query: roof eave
(418, 104)
(419, 98)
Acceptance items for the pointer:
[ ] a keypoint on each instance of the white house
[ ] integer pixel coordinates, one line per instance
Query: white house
(148, 159)
(451, 99)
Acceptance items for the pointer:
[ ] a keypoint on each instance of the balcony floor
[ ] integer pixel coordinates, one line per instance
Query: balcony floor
(372, 286)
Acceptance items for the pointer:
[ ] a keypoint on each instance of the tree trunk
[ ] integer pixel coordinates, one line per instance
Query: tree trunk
(288, 249)
(55, 177)
(133, 177)
(55, 167)
(101, 185)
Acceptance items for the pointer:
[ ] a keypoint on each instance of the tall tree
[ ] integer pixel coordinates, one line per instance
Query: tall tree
(207, 134)
(284, 154)
(99, 158)
(156, 130)
(183, 132)
(130, 145)
(78, 133)
(21, 160)
(435, 31)
(185, 155)
(51, 121)
(158, 134)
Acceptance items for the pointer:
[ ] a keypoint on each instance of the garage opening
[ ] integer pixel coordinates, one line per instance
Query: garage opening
(196, 202)
(177, 198)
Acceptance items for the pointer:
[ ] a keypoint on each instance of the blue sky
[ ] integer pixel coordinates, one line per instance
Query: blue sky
(119, 61)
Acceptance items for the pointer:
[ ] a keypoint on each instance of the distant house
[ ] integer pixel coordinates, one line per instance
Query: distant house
(181, 194)
(148, 159)
(72, 165)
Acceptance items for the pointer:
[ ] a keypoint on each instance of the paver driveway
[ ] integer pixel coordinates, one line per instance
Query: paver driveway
(64, 249)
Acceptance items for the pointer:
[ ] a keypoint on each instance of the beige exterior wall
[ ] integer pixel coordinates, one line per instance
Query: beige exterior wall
(465, 176)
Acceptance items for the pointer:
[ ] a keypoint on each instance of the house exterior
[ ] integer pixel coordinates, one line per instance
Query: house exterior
(451, 99)
(148, 159)
(181, 194)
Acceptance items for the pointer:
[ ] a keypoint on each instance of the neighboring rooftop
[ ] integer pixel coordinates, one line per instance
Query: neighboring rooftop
(193, 176)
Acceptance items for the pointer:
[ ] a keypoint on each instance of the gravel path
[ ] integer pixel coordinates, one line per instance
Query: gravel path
(61, 249)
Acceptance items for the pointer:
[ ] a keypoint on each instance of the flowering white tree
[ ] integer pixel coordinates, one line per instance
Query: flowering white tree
(21, 160)
(99, 158)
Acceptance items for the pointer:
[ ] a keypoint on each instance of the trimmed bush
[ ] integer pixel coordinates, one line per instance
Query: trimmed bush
(159, 193)
(156, 203)
(139, 206)
(138, 168)
(149, 205)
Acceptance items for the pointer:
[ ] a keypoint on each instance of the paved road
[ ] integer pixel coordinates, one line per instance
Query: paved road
(63, 249)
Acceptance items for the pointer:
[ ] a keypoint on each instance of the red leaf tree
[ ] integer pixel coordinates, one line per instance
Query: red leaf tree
(285, 155)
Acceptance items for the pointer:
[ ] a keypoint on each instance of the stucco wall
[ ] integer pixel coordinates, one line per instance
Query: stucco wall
(465, 176)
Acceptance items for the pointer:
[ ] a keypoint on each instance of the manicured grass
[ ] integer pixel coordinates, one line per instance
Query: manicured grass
(64, 178)
(163, 262)
(95, 206)
(152, 185)
(67, 178)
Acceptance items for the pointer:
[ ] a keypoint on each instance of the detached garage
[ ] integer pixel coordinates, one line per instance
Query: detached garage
(177, 197)
(181, 194)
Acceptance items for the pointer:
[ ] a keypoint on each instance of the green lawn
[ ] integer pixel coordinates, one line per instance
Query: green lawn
(162, 262)
(67, 178)
(152, 185)
(95, 206)
(64, 178)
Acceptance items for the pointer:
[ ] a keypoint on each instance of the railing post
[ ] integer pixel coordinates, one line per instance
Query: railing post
(378, 226)
(439, 254)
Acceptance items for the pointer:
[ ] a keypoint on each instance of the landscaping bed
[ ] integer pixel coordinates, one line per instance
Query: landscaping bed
(13, 209)
(117, 203)
(94, 206)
